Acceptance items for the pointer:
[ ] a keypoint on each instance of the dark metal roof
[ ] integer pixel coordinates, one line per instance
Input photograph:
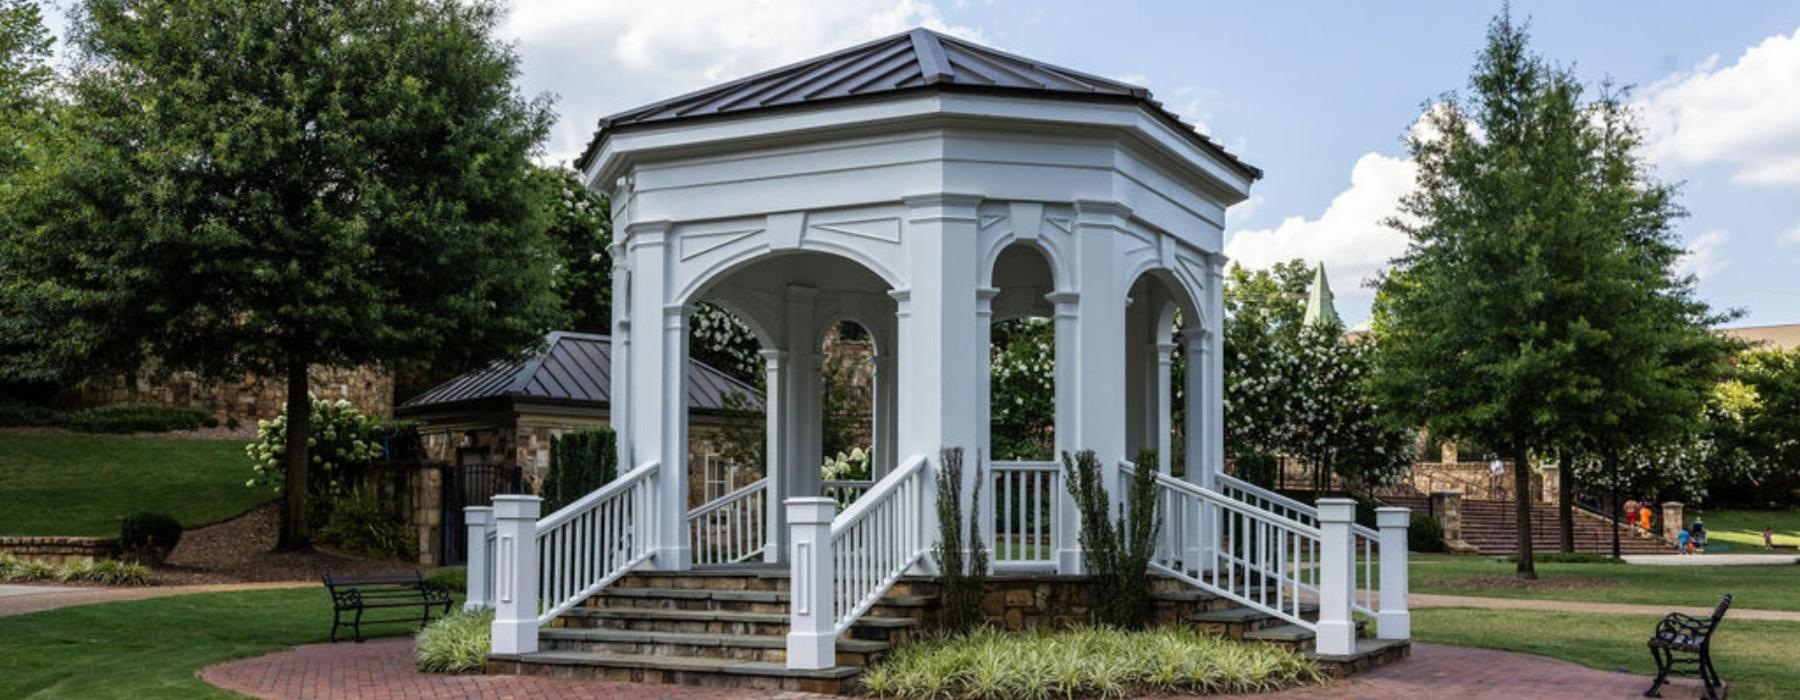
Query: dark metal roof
(574, 368)
(914, 60)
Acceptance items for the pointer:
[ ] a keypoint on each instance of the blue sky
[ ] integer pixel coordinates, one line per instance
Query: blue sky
(1317, 94)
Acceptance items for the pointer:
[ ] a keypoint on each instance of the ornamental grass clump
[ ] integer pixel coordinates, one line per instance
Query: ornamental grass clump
(1084, 662)
(455, 643)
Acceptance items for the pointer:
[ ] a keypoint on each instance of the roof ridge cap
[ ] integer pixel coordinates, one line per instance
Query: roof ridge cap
(928, 50)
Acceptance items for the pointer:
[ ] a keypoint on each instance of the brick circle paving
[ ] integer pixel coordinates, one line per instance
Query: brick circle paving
(383, 669)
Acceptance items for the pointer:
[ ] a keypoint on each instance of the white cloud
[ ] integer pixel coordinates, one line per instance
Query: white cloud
(1792, 237)
(1704, 257)
(1186, 102)
(1349, 237)
(603, 56)
(1244, 211)
(1138, 79)
(1746, 114)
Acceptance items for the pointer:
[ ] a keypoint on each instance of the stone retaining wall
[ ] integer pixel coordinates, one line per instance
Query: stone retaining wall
(57, 551)
(370, 389)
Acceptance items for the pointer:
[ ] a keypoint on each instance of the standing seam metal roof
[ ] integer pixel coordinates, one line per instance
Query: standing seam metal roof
(575, 368)
(918, 59)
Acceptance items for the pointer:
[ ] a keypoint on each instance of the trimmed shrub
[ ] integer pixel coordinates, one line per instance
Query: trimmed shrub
(149, 537)
(1116, 554)
(110, 572)
(139, 418)
(1424, 534)
(1084, 662)
(359, 525)
(961, 580)
(580, 462)
(455, 643)
(14, 414)
(21, 570)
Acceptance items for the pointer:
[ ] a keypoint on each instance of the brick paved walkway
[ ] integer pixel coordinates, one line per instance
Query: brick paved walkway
(384, 669)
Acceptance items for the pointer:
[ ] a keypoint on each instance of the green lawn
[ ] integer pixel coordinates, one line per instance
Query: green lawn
(1755, 657)
(1756, 587)
(80, 485)
(151, 649)
(1742, 529)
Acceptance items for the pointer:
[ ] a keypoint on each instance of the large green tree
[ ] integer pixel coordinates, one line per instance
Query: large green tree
(26, 114)
(259, 186)
(1532, 240)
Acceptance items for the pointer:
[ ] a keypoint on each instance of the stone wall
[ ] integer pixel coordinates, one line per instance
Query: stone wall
(1028, 601)
(1474, 480)
(370, 389)
(56, 551)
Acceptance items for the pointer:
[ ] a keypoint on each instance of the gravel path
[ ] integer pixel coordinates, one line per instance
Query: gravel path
(19, 600)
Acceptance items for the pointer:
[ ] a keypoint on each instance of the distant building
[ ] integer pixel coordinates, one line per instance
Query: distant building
(1776, 337)
(1320, 306)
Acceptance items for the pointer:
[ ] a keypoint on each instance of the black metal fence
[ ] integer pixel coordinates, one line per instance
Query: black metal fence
(468, 485)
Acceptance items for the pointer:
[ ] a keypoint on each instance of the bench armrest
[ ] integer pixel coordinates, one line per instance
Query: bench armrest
(346, 599)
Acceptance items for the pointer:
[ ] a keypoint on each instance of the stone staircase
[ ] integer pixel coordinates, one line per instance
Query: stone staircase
(728, 627)
(1492, 527)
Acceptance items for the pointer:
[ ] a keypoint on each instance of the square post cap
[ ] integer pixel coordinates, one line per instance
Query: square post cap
(478, 515)
(1337, 510)
(516, 506)
(810, 510)
(1393, 517)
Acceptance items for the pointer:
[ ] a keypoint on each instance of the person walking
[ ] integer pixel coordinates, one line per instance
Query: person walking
(1631, 514)
(1496, 478)
(1697, 535)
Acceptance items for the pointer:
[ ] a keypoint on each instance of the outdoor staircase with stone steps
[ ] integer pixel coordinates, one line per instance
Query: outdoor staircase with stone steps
(1492, 527)
(728, 627)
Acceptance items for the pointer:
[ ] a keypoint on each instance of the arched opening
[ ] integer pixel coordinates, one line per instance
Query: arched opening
(821, 322)
(1023, 405)
(1158, 314)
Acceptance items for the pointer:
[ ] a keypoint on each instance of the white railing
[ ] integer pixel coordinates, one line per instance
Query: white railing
(844, 491)
(1258, 558)
(731, 528)
(1366, 544)
(594, 541)
(841, 566)
(1026, 512)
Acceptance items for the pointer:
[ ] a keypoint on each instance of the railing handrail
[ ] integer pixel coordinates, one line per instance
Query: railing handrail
(579, 505)
(826, 483)
(1027, 466)
(728, 499)
(1226, 502)
(875, 494)
(1290, 503)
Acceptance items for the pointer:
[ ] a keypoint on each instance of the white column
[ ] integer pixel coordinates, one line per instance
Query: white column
(939, 351)
(983, 454)
(672, 547)
(812, 635)
(886, 407)
(775, 514)
(480, 569)
(1203, 541)
(1337, 568)
(802, 414)
(1067, 529)
(1215, 369)
(619, 415)
(515, 629)
(1394, 620)
(1164, 420)
(1099, 404)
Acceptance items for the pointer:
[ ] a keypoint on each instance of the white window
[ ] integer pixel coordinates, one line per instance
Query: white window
(718, 476)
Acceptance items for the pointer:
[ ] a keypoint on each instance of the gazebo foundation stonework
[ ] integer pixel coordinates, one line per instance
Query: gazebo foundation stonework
(923, 187)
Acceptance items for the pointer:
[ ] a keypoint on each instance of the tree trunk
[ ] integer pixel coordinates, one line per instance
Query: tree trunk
(1522, 495)
(296, 533)
(1612, 469)
(1565, 495)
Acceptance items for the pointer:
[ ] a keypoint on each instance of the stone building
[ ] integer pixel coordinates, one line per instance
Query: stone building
(507, 413)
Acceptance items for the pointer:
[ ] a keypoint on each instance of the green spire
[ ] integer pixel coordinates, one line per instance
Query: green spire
(1319, 308)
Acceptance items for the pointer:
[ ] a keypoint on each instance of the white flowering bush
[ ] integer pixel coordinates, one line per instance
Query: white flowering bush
(340, 435)
(1023, 382)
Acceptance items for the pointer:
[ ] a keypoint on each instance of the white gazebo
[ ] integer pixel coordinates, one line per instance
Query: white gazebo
(923, 187)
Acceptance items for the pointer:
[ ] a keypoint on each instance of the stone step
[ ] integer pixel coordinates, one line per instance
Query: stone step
(877, 628)
(740, 647)
(675, 670)
(1370, 653)
(1239, 622)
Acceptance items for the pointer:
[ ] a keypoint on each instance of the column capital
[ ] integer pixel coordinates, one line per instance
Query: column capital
(902, 301)
(1066, 303)
(772, 355)
(1195, 336)
(1164, 348)
(984, 300)
(639, 234)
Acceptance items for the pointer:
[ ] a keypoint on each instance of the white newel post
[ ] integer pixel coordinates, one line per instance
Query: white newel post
(480, 569)
(775, 512)
(515, 629)
(1394, 621)
(1337, 565)
(812, 635)
(1202, 542)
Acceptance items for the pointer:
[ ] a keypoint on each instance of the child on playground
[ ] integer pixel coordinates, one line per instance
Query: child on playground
(1687, 545)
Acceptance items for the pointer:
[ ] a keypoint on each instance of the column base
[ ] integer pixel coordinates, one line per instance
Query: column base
(1393, 625)
(1068, 562)
(811, 651)
(673, 559)
(514, 636)
(1335, 638)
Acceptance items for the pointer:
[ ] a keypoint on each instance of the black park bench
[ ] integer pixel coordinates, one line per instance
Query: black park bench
(380, 592)
(1685, 640)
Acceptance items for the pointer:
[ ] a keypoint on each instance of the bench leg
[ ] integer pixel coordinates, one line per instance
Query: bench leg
(359, 638)
(336, 616)
(1663, 662)
(1710, 675)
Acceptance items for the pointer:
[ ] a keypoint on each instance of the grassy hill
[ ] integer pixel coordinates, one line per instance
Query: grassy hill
(80, 485)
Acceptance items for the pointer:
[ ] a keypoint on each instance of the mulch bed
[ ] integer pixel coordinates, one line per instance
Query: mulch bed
(1560, 583)
(240, 550)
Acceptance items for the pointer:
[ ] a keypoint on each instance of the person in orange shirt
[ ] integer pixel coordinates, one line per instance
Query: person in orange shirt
(1644, 518)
